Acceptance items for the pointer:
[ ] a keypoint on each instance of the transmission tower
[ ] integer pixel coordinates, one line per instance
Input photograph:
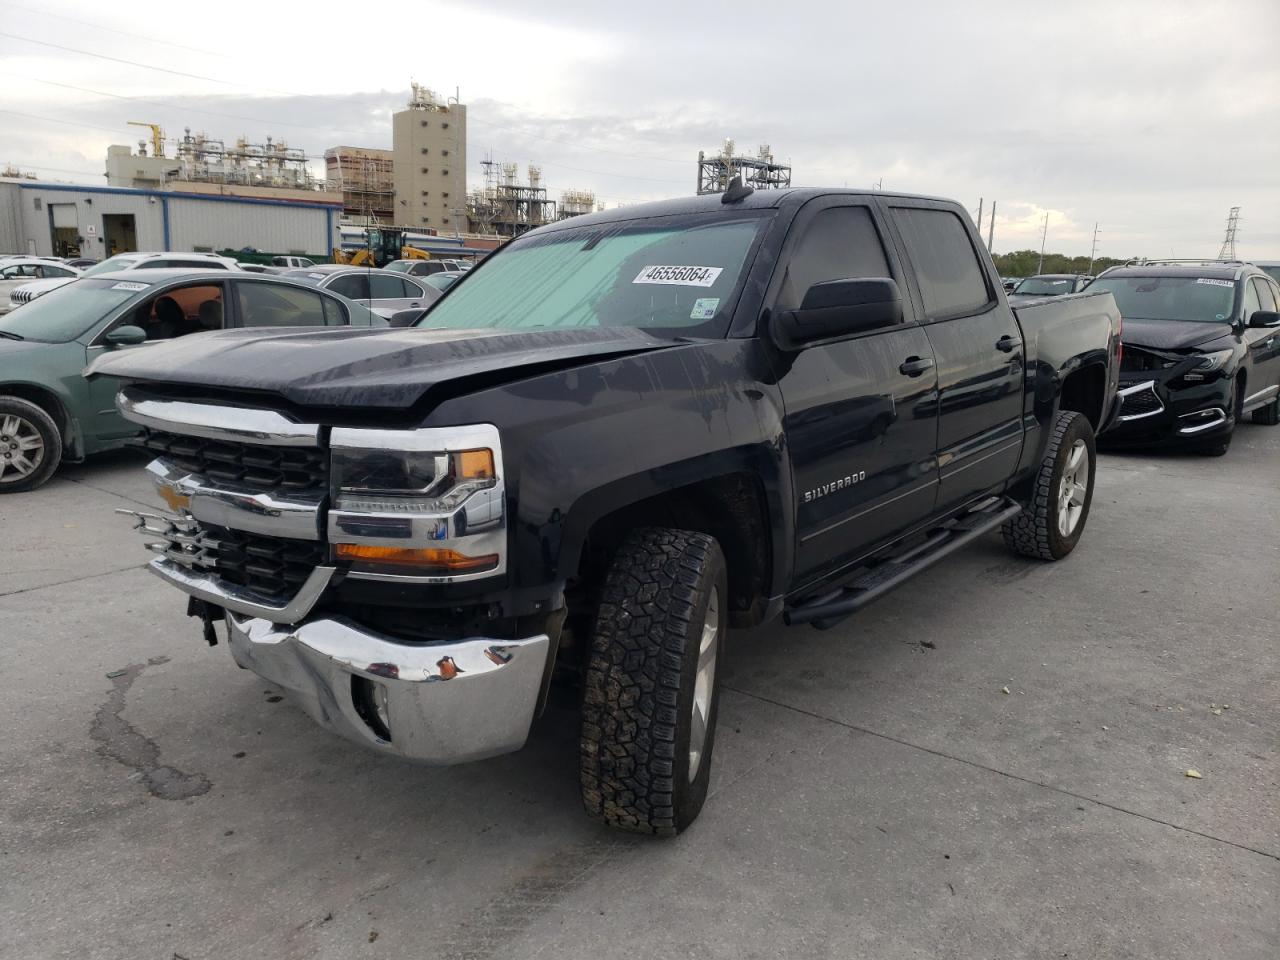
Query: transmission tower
(1228, 251)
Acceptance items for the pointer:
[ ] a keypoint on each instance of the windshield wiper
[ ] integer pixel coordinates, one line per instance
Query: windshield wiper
(11, 335)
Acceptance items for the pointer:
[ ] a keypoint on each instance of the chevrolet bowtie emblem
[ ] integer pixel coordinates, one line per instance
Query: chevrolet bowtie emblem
(176, 500)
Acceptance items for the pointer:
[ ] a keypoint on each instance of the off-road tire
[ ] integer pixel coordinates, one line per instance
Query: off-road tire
(1269, 415)
(640, 678)
(1034, 532)
(49, 434)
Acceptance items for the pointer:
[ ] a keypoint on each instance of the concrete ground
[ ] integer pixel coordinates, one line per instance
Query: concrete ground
(875, 792)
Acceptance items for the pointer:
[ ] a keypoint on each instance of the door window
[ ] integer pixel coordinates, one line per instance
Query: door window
(353, 286)
(1265, 299)
(947, 267)
(272, 305)
(178, 312)
(387, 286)
(840, 243)
(1251, 302)
(334, 313)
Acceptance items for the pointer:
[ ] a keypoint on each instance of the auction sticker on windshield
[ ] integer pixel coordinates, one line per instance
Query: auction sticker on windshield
(1216, 283)
(128, 285)
(704, 308)
(679, 276)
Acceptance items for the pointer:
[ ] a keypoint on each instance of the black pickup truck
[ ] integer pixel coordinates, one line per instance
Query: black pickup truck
(614, 440)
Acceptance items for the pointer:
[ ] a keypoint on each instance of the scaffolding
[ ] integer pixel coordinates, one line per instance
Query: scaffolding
(760, 172)
(505, 207)
(365, 178)
(574, 203)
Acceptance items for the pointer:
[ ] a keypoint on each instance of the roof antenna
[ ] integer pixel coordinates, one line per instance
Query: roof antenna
(736, 191)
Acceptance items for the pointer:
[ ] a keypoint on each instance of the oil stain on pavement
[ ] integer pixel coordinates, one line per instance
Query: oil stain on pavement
(119, 741)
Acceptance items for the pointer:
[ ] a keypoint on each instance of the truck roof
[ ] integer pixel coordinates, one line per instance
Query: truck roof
(1207, 271)
(711, 202)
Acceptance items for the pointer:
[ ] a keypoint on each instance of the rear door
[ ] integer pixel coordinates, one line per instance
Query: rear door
(393, 292)
(977, 345)
(261, 303)
(860, 412)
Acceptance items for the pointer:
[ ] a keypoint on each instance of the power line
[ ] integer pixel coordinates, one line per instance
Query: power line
(69, 123)
(45, 14)
(163, 103)
(131, 63)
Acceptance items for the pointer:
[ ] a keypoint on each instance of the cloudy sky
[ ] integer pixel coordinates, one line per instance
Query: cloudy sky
(1149, 118)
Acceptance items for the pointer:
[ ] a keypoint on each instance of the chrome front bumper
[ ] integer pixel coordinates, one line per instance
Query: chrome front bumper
(443, 703)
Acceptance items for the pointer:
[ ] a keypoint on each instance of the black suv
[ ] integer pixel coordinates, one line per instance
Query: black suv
(1201, 350)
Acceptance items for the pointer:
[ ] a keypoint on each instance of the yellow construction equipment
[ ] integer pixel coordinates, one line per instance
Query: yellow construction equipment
(384, 244)
(157, 136)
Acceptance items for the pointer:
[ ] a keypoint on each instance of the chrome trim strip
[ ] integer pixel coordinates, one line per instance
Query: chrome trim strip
(1219, 418)
(296, 516)
(426, 440)
(1138, 388)
(1265, 393)
(207, 587)
(212, 422)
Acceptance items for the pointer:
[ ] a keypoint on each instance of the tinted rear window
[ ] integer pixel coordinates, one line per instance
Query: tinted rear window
(947, 266)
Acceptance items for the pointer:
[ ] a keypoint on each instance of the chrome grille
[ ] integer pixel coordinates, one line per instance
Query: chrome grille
(251, 465)
(1140, 403)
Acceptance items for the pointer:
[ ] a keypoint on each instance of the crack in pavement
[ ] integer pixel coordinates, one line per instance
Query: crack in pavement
(62, 583)
(119, 741)
(1004, 773)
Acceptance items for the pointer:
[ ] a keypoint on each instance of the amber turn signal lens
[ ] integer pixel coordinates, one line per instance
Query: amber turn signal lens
(435, 558)
(474, 465)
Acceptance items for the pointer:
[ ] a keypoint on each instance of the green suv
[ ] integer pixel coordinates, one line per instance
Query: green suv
(49, 412)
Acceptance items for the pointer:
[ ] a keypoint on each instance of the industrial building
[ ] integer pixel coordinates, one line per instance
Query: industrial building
(57, 219)
(429, 168)
(364, 176)
(760, 172)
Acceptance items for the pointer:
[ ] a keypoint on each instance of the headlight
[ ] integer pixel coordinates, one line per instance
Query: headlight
(1215, 360)
(421, 504)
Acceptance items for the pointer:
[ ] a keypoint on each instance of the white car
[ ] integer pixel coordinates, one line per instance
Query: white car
(17, 272)
(386, 294)
(27, 292)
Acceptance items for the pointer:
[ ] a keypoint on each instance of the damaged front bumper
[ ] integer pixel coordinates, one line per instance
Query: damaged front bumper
(439, 703)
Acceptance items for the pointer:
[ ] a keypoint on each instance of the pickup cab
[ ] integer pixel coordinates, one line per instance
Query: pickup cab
(622, 436)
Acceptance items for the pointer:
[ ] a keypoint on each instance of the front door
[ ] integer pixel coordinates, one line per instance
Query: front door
(861, 412)
(176, 312)
(978, 348)
(1263, 344)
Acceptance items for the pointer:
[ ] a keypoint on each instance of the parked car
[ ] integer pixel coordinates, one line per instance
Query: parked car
(1201, 350)
(1051, 285)
(382, 292)
(725, 409)
(444, 280)
(50, 413)
(80, 263)
(18, 271)
(1270, 267)
(123, 261)
(1009, 283)
(292, 263)
(419, 268)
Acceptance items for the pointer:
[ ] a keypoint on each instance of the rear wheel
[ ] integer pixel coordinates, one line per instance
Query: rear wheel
(30, 445)
(652, 685)
(1050, 525)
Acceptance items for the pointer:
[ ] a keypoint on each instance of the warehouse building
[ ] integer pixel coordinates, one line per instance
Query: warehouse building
(64, 220)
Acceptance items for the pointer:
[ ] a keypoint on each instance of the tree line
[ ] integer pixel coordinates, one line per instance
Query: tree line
(1024, 263)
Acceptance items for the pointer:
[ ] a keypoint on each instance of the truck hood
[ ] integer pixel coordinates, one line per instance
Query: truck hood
(384, 369)
(1171, 334)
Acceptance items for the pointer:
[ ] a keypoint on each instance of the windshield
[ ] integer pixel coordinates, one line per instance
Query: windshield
(658, 274)
(399, 266)
(64, 314)
(110, 264)
(1044, 286)
(1170, 298)
(441, 281)
(1272, 272)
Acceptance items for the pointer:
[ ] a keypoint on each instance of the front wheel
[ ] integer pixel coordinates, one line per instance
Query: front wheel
(1269, 415)
(30, 445)
(1050, 524)
(652, 687)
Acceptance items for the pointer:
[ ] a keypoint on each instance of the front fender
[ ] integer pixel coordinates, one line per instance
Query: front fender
(580, 444)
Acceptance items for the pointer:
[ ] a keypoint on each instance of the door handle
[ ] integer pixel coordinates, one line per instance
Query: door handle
(415, 304)
(1008, 344)
(914, 366)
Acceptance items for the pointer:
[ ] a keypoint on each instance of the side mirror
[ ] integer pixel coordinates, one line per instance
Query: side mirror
(1264, 318)
(837, 308)
(125, 336)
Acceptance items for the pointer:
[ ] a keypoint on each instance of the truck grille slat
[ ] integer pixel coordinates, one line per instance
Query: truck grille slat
(249, 464)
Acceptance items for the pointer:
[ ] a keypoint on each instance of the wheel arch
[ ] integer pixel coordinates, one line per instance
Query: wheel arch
(49, 401)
